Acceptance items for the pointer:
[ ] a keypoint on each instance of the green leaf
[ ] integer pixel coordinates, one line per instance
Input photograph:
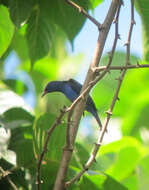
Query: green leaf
(138, 119)
(20, 11)
(47, 66)
(57, 139)
(80, 156)
(129, 153)
(143, 7)
(135, 95)
(21, 143)
(143, 175)
(6, 29)
(17, 176)
(66, 16)
(39, 35)
(48, 174)
(100, 182)
(16, 85)
(120, 144)
(4, 2)
(20, 121)
(132, 182)
(42, 25)
(124, 164)
(95, 3)
(8, 99)
(16, 117)
(105, 90)
(19, 43)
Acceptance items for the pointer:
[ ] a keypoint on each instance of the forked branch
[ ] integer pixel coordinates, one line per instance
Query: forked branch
(79, 108)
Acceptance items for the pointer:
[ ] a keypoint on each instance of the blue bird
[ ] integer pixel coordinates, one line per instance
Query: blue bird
(71, 89)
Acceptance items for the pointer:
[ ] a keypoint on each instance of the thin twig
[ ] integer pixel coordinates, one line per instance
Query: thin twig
(6, 174)
(115, 98)
(68, 126)
(55, 124)
(82, 11)
(138, 66)
(95, 150)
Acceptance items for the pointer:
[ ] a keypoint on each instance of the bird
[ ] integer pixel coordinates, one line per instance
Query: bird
(71, 89)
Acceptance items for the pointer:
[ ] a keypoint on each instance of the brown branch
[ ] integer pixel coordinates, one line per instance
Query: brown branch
(68, 145)
(6, 174)
(120, 80)
(79, 108)
(82, 11)
(97, 145)
(115, 98)
(55, 124)
(138, 66)
(109, 112)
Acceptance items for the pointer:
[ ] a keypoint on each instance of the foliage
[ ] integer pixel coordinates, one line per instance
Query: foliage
(37, 31)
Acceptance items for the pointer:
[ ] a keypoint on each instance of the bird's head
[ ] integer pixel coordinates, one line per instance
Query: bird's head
(51, 87)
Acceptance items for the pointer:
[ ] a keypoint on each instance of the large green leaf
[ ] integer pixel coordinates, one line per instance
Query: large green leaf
(132, 182)
(17, 176)
(21, 143)
(100, 182)
(135, 120)
(66, 16)
(16, 85)
(144, 173)
(57, 139)
(20, 121)
(134, 100)
(16, 117)
(105, 89)
(39, 35)
(143, 7)
(8, 99)
(6, 29)
(129, 153)
(20, 11)
(43, 23)
(80, 156)
(19, 43)
(120, 144)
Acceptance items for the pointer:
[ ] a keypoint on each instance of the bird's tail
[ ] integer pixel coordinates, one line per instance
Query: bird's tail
(98, 120)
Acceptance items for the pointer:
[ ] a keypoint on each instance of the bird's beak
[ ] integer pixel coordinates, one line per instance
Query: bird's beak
(44, 93)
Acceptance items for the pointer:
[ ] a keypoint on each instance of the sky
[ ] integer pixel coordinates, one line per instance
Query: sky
(86, 39)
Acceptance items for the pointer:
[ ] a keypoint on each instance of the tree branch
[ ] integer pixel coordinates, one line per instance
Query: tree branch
(137, 66)
(6, 174)
(82, 11)
(109, 112)
(97, 145)
(56, 123)
(79, 108)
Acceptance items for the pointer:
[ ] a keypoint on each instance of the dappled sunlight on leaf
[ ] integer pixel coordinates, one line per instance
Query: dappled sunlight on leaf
(9, 99)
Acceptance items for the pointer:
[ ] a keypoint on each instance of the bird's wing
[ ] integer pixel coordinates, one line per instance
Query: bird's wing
(91, 103)
(76, 86)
